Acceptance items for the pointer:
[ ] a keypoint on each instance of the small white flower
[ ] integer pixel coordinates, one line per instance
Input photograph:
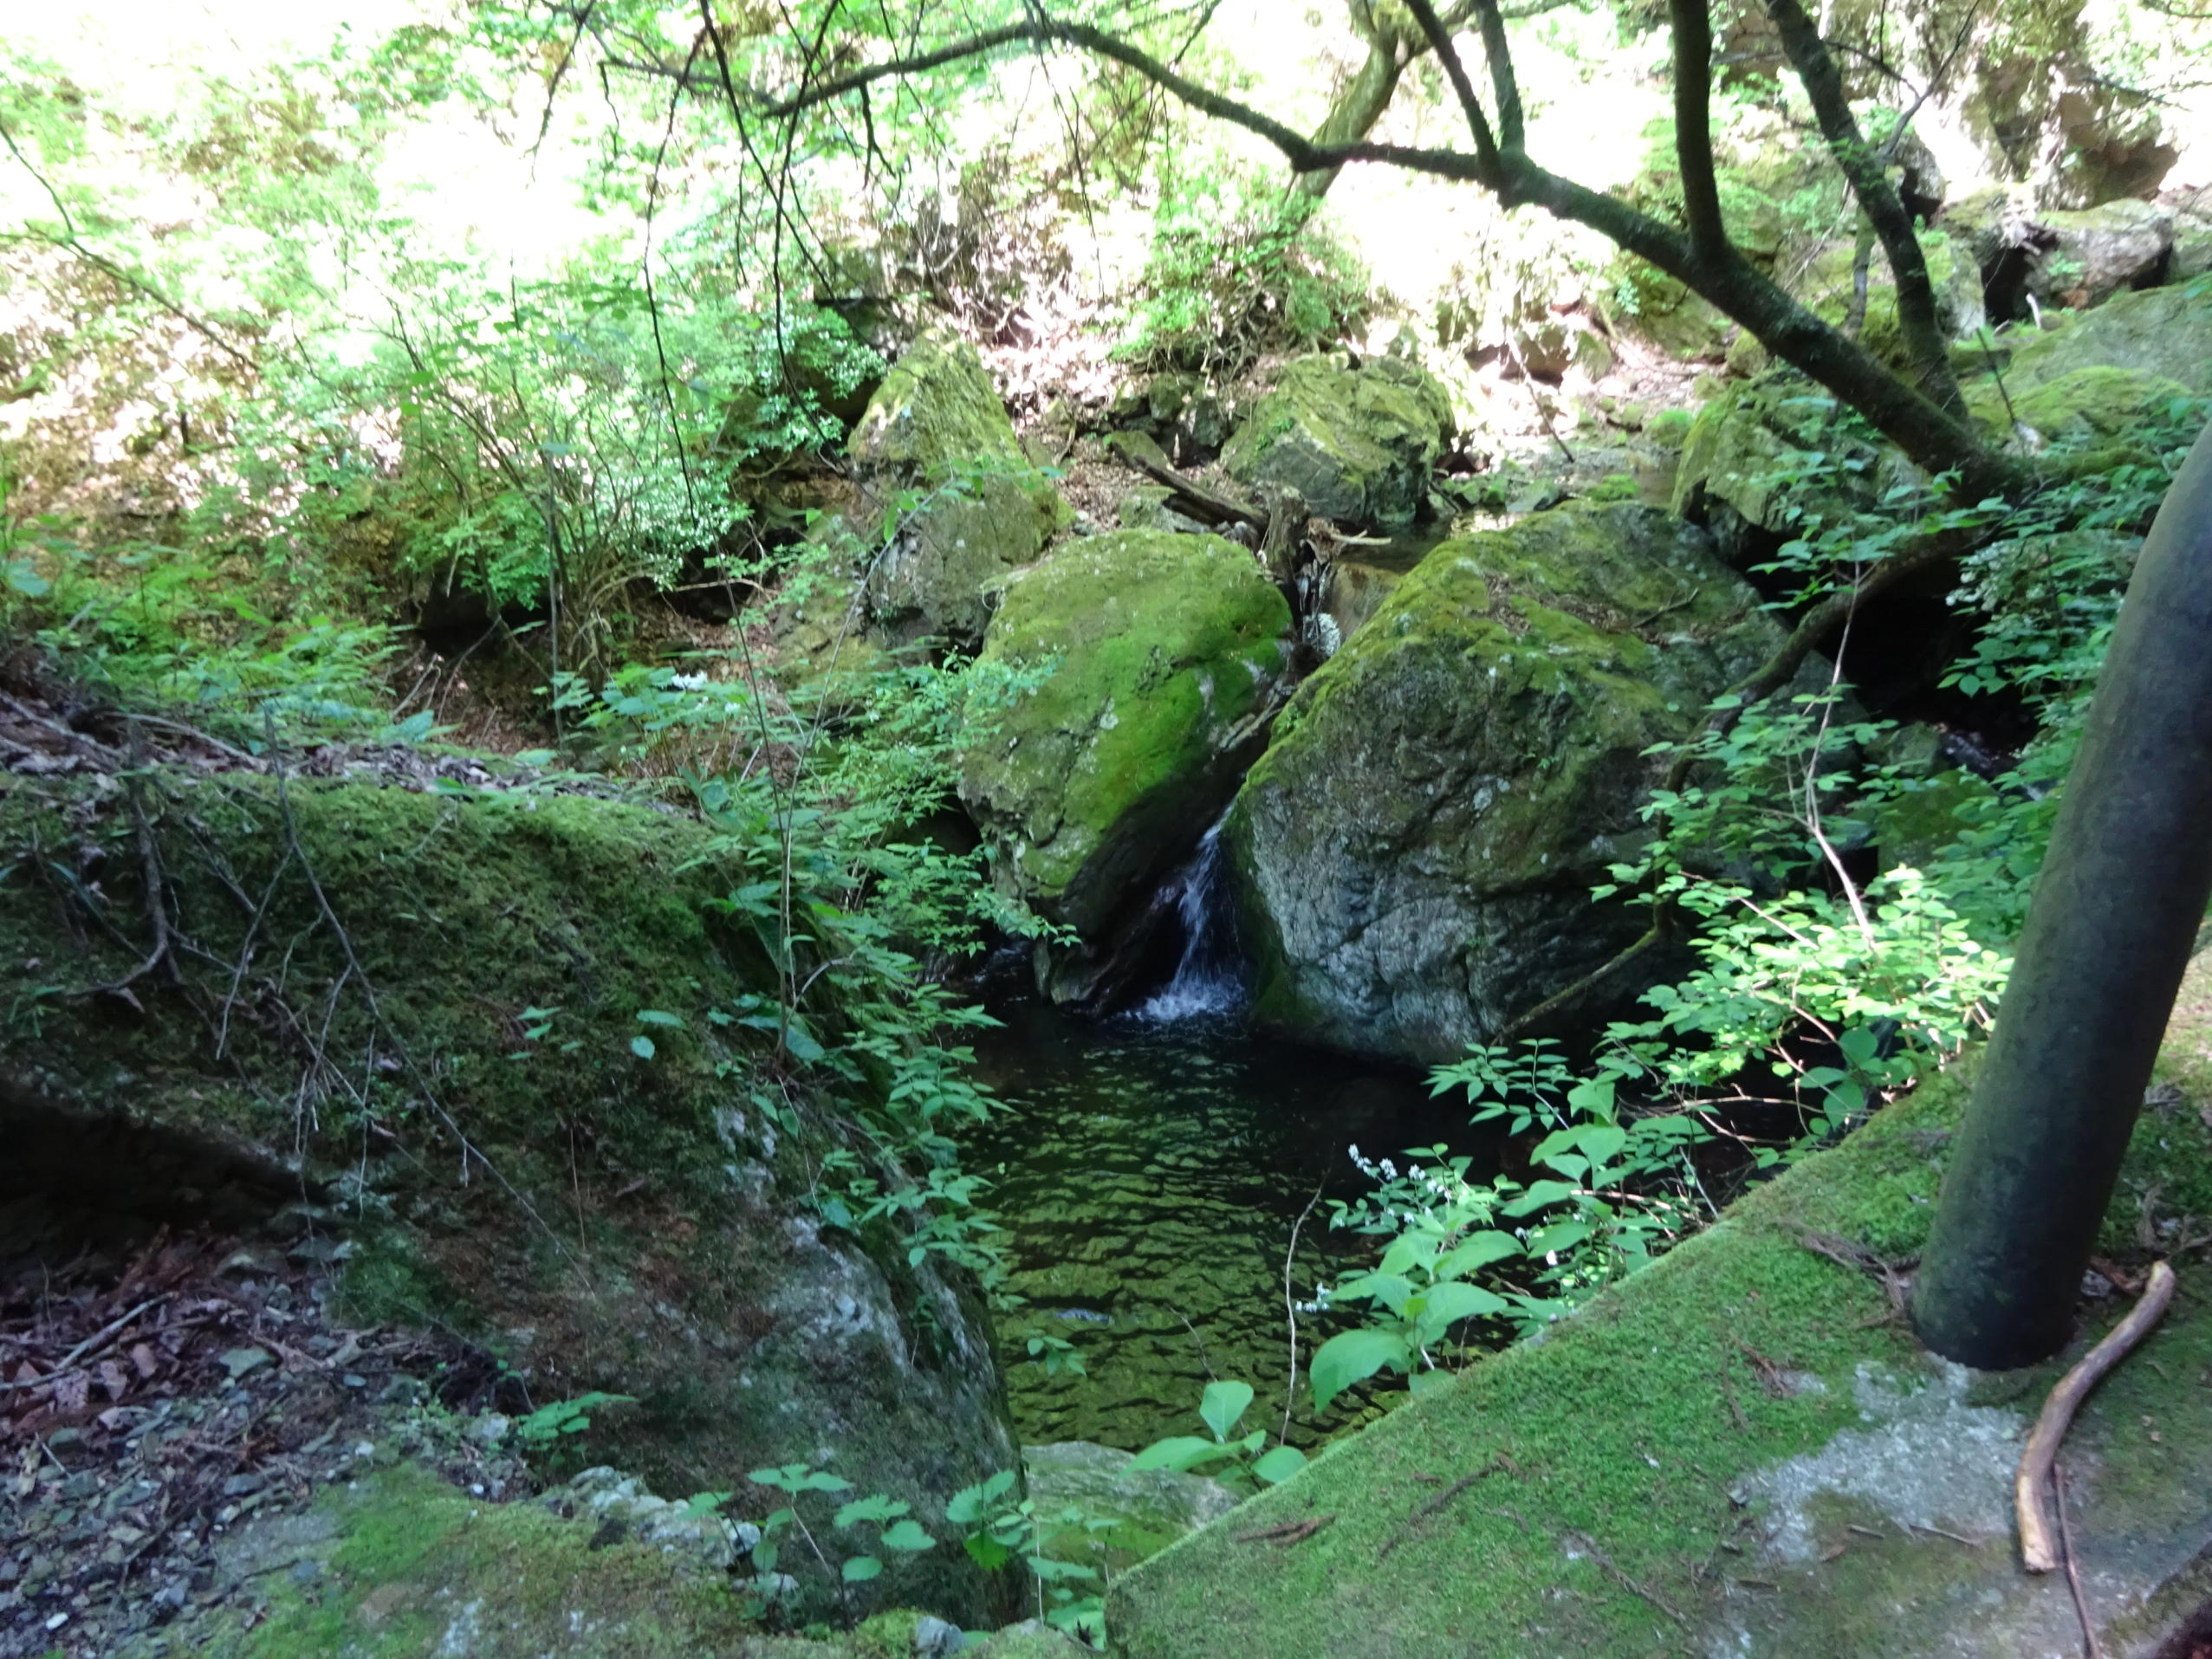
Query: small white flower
(690, 682)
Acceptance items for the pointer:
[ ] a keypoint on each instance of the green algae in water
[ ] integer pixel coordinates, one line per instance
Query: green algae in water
(1148, 1176)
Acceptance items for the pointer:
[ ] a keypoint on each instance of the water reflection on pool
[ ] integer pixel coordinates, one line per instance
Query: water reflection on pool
(1148, 1176)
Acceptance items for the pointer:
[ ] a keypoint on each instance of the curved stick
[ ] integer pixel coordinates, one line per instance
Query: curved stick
(2038, 1550)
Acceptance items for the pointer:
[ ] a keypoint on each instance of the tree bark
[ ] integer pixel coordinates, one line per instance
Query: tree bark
(1869, 182)
(2109, 932)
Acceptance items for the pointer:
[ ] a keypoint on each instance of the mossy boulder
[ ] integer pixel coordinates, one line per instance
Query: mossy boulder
(1144, 1510)
(2160, 331)
(398, 1564)
(1744, 472)
(421, 1014)
(1741, 1450)
(936, 439)
(1415, 853)
(1154, 662)
(2082, 404)
(1357, 443)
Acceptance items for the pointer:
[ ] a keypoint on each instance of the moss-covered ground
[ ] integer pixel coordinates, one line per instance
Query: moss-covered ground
(428, 1007)
(1737, 1450)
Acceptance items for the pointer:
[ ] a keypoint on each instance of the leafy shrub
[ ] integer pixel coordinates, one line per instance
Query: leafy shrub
(1236, 271)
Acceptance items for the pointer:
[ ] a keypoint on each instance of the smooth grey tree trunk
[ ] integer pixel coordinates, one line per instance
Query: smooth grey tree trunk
(2114, 915)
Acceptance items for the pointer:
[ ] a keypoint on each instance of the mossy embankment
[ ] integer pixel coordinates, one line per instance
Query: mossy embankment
(1741, 1450)
(422, 1011)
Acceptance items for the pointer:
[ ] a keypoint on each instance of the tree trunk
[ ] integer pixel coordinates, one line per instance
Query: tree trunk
(1358, 106)
(2115, 912)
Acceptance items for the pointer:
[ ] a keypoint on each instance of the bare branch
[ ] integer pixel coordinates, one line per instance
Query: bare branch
(1439, 39)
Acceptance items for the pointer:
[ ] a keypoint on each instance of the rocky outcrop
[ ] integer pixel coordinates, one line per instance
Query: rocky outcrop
(2162, 331)
(1357, 443)
(936, 441)
(1414, 854)
(2082, 404)
(1146, 665)
(2031, 261)
(482, 1044)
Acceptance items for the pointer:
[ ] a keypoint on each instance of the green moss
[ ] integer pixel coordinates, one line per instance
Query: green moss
(1468, 764)
(1637, 1426)
(1157, 649)
(400, 1564)
(1359, 444)
(601, 1220)
(1669, 428)
(2100, 402)
(2161, 331)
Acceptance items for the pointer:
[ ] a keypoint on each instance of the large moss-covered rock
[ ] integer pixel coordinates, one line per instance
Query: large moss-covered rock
(488, 1037)
(1748, 1401)
(1415, 852)
(936, 431)
(1357, 443)
(1744, 474)
(2081, 405)
(1156, 660)
(2162, 331)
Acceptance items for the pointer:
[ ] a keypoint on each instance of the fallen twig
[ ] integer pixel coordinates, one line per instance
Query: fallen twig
(1291, 1532)
(2038, 1552)
(1430, 1505)
(2090, 1647)
(1613, 1570)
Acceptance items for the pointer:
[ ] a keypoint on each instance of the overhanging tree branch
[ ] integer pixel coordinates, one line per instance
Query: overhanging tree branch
(1870, 181)
(1929, 429)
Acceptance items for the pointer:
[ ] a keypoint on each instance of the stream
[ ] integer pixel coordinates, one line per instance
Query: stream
(1149, 1169)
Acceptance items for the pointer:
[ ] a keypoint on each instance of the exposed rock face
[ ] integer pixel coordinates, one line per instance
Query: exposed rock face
(1161, 656)
(602, 1215)
(2060, 258)
(1359, 444)
(936, 427)
(1414, 854)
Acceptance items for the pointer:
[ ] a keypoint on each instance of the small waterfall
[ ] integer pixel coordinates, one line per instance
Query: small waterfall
(1209, 978)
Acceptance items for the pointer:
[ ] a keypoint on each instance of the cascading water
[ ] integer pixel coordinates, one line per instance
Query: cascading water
(1209, 977)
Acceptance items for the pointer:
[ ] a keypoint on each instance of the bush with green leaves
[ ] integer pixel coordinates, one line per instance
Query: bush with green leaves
(885, 1525)
(1004, 1530)
(1236, 271)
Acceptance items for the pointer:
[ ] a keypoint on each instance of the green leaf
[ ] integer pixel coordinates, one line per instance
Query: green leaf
(658, 1017)
(861, 1568)
(641, 1045)
(1476, 1251)
(1354, 1357)
(874, 1506)
(1178, 1451)
(1279, 1464)
(907, 1535)
(1447, 1304)
(1223, 1405)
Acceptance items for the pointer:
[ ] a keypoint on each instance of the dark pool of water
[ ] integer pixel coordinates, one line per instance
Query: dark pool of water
(1148, 1175)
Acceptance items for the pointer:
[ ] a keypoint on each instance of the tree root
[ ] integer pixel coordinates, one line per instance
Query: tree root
(2038, 1547)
